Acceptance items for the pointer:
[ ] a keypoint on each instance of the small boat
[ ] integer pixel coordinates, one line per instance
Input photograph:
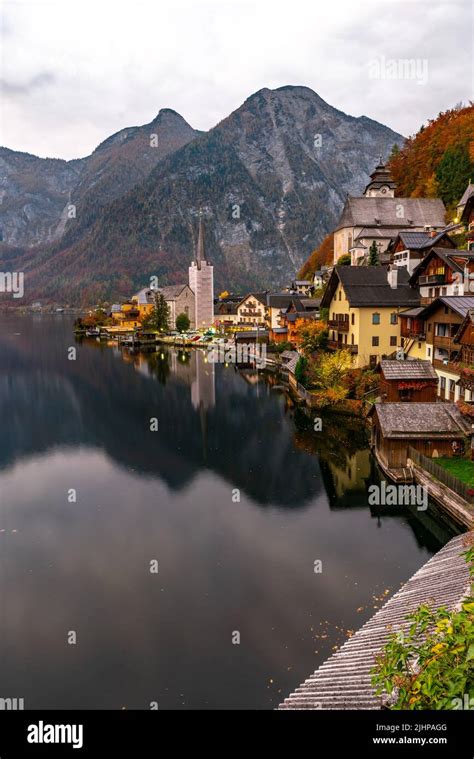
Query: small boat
(93, 332)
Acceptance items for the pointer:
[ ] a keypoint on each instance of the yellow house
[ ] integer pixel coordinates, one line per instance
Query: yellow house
(363, 304)
(126, 315)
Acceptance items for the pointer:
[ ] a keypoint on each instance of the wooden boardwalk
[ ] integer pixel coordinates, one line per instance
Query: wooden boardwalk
(343, 681)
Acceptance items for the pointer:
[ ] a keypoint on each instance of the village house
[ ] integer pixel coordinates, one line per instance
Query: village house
(252, 310)
(407, 381)
(466, 196)
(363, 305)
(378, 216)
(292, 318)
(464, 337)
(467, 219)
(432, 429)
(437, 328)
(225, 313)
(444, 272)
(302, 286)
(126, 315)
(409, 248)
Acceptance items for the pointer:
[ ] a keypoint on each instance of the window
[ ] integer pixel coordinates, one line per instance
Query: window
(393, 318)
(352, 319)
(452, 385)
(393, 339)
(373, 361)
(428, 351)
(352, 339)
(340, 294)
(376, 318)
(442, 383)
(375, 341)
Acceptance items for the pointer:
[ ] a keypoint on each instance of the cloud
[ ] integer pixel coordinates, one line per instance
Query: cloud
(13, 89)
(108, 65)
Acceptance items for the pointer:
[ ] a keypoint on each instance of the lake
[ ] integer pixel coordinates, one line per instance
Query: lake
(178, 567)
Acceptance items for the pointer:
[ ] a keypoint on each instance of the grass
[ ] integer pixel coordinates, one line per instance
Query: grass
(463, 469)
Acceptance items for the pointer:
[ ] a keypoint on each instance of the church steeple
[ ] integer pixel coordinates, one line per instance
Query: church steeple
(200, 254)
(381, 184)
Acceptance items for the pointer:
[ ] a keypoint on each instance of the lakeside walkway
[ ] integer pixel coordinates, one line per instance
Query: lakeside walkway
(343, 681)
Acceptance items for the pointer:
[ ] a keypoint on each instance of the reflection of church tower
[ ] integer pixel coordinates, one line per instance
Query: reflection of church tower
(203, 387)
(201, 282)
(381, 184)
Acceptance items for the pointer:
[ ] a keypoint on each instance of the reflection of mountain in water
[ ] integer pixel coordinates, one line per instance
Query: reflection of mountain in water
(208, 416)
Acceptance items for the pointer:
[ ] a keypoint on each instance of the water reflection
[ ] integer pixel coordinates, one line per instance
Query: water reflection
(224, 565)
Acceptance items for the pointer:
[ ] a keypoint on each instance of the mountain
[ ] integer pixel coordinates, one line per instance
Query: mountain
(36, 192)
(271, 180)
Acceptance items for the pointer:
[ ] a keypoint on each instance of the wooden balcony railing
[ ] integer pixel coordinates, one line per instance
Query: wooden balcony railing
(342, 325)
(431, 279)
(336, 345)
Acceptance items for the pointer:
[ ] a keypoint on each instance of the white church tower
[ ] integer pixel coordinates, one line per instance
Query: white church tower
(201, 282)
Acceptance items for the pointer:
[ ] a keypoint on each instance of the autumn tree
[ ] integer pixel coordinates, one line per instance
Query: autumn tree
(312, 335)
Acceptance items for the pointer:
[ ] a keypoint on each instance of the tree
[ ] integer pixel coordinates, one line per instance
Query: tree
(331, 370)
(373, 254)
(301, 368)
(182, 322)
(312, 335)
(160, 315)
(344, 260)
(453, 173)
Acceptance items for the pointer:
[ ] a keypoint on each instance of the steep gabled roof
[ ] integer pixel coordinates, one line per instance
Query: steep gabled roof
(368, 286)
(421, 420)
(171, 292)
(459, 303)
(417, 212)
(468, 321)
(466, 194)
(447, 256)
(408, 370)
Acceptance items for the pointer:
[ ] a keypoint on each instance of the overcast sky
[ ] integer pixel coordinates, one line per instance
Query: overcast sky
(75, 71)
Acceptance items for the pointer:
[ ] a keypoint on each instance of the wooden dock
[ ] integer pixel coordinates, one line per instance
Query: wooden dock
(344, 680)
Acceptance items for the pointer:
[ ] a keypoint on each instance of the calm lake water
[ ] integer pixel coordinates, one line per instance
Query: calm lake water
(224, 566)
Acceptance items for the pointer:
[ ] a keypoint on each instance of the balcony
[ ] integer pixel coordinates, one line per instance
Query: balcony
(448, 366)
(336, 345)
(342, 325)
(442, 341)
(412, 334)
(431, 279)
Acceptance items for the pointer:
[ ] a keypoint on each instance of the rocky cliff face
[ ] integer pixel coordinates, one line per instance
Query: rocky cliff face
(271, 180)
(36, 193)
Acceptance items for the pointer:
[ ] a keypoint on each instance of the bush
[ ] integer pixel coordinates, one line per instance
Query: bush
(431, 665)
(182, 322)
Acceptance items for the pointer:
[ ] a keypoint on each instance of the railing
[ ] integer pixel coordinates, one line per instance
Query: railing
(336, 345)
(449, 366)
(452, 482)
(342, 325)
(412, 334)
(431, 279)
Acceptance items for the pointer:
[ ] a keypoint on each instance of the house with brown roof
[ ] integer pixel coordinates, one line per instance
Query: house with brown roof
(444, 272)
(409, 248)
(433, 429)
(363, 305)
(378, 216)
(437, 329)
(407, 381)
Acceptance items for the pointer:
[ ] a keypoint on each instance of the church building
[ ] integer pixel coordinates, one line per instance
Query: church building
(201, 282)
(378, 216)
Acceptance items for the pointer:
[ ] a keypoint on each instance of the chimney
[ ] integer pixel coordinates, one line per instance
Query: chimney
(433, 233)
(392, 276)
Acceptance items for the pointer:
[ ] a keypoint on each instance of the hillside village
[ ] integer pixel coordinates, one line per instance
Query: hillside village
(390, 322)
